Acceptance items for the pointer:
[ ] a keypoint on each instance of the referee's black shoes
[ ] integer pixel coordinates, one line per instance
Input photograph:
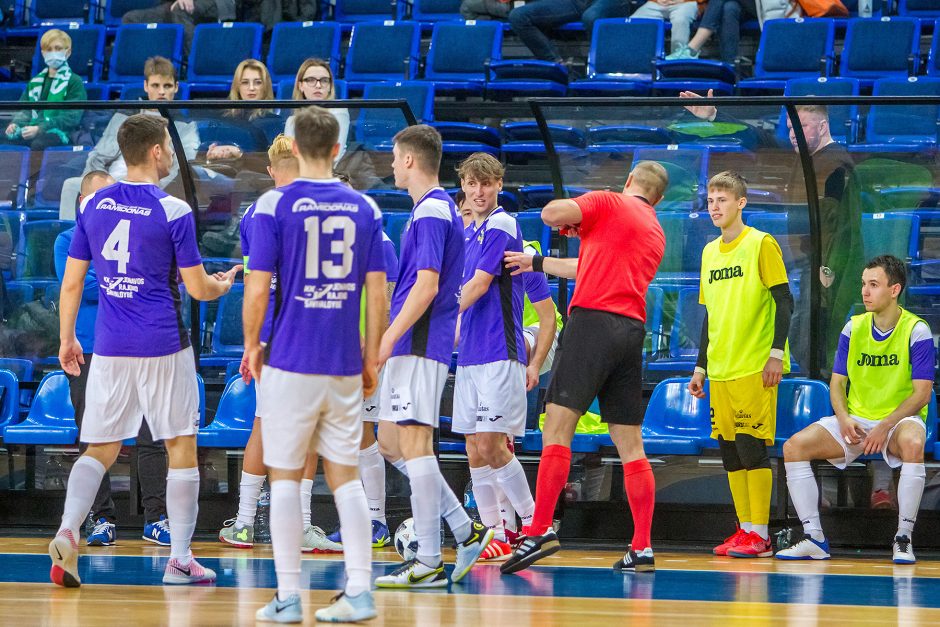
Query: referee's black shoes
(632, 561)
(531, 550)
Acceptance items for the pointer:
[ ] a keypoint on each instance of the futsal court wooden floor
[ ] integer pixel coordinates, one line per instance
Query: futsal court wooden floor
(121, 586)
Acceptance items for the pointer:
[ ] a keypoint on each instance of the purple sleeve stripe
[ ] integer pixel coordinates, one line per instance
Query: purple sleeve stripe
(840, 364)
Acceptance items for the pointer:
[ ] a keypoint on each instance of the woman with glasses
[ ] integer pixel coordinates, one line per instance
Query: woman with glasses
(315, 82)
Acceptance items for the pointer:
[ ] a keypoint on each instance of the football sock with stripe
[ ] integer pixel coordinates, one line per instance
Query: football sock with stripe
(372, 472)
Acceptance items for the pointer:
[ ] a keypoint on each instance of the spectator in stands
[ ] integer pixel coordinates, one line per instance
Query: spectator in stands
(159, 84)
(315, 82)
(151, 456)
(680, 13)
(485, 9)
(187, 13)
(56, 83)
(533, 20)
(251, 81)
(723, 17)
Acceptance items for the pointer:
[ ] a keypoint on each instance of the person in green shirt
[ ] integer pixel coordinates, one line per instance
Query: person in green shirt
(887, 354)
(43, 129)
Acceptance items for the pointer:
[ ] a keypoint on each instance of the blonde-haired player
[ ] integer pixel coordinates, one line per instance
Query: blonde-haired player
(744, 353)
(240, 531)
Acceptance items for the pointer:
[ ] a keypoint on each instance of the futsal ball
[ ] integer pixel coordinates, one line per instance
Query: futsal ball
(406, 540)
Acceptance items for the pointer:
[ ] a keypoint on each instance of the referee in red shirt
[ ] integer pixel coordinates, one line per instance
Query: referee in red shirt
(601, 350)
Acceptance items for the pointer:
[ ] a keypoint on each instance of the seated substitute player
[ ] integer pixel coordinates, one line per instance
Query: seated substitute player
(416, 350)
(601, 354)
(240, 531)
(140, 239)
(490, 389)
(886, 359)
(744, 352)
(324, 241)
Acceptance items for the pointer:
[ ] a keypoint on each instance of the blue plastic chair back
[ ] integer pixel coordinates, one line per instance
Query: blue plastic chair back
(395, 224)
(22, 369)
(895, 234)
(14, 172)
(58, 164)
(375, 128)
(217, 49)
(624, 48)
(355, 11)
(687, 167)
(294, 42)
(135, 43)
(923, 9)
(864, 54)
(895, 123)
(533, 229)
(57, 12)
(114, 10)
(35, 259)
(435, 10)
(51, 418)
(87, 58)
(234, 417)
(686, 237)
(228, 337)
(800, 403)
(777, 57)
(383, 51)
(842, 118)
(10, 403)
(10, 92)
(687, 325)
(460, 50)
(672, 411)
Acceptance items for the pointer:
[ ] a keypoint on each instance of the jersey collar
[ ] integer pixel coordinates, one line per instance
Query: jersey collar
(483, 224)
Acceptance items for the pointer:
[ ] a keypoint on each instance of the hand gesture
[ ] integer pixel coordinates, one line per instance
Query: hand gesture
(702, 112)
(697, 385)
(520, 261)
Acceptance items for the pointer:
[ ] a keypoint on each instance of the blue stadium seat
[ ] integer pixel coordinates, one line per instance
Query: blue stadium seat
(51, 418)
(227, 336)
(458, 56)
(87, 58)
(921, 9)
(234, 417)
(431, 11)
(533, 229)
(391, 199)
(687, 167)
(620, 59)
(800, 403)
(11, 232)
(245, 134)
(684, 336)
(38, 13)
(135, 43)
(843, 119)
(537, 196)
(895, 234)
(34, 258)
(699, 75)
(375, 128)
(135, 91)
(778, 59)
(11, 91)
(624, 138)
(933, 57)
(382, 51)
(114, 10)
(866, 58)
(18, 294)
(902, 128)
(526, 77)
(676, 423)
(394, 226)
(357, 11)
(524, 139)
(14, 171)
(460, 139)
(231, 370)
(9, 398)
(294, 42)
(58, 164)
(22, 369)
(97, 91)
(216, 51)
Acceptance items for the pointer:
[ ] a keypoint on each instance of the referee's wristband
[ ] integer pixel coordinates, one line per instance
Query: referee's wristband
(537, 261)
(700, 370)
(776, 353)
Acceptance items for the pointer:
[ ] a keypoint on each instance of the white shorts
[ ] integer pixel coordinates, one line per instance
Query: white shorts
(371, 405)
(411, 390)
(531, 335)
(490, 398)
(853, 451)
(123, 391)
(313, 413)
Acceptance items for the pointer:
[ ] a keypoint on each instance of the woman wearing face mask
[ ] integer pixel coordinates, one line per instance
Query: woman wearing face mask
(56, 83)
(315, 82)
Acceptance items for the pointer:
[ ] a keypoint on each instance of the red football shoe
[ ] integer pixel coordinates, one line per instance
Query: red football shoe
(752, 545)
(730, 542)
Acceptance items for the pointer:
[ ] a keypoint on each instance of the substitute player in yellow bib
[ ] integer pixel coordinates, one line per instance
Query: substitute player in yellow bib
(888, 356)
(744, 353)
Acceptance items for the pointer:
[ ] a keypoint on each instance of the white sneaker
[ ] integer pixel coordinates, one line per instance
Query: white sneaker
(347, 609)
(903, 551)
(805, 549)
(64, 553)
(414, 574)
(287, 611)
(469, 551)
(315, 541)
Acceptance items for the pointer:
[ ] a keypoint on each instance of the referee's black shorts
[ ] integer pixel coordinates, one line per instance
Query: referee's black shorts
(600, 354)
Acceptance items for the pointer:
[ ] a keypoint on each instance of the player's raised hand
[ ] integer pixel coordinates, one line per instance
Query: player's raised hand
(519, 262)
(697, 385)
(370, 379)
(255, 357)
(703, 112)
(70, 356)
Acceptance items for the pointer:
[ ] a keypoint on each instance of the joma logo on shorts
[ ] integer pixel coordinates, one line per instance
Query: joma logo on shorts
(725, 273)
(878, 360)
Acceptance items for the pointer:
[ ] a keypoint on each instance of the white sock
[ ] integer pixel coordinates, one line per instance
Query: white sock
(453, 512)
(484, 491)
(805, 496)
(401, 465)
(248, 492)
(82, 487)
(372, 472)
(306, 493)
(506, 511)
(748, 527)
(881, 477)
(356, 530)
(761, 530)
(426, 479)
(512, 481)
(910, 489)
(286, 535)
(182, 507)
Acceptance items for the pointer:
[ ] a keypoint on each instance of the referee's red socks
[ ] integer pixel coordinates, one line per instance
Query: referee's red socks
(641, 494)
(553, 474)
